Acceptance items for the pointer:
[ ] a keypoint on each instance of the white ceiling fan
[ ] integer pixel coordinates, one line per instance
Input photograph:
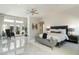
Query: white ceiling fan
(33, 11)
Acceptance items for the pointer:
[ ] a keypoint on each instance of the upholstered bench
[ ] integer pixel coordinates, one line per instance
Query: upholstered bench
(48, 42)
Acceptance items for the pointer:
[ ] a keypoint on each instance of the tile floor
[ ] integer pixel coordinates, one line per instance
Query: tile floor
(34, 48)
(29, 47)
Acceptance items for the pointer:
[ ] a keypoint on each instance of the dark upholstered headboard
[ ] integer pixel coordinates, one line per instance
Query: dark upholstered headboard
(60, 27)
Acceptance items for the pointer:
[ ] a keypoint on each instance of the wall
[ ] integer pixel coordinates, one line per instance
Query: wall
(32, 32)
(73, 22)
(61, 19)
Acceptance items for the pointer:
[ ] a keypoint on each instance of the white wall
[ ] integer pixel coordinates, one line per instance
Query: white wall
(73, 22)
(61, 19)
(32, 32)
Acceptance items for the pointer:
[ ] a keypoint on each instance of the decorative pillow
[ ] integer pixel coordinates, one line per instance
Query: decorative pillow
(44, 36)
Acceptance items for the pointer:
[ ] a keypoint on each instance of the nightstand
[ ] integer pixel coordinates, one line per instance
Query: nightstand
(74, 38)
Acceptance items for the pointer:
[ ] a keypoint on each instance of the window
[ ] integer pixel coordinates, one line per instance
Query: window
(7, 20)
(19, 21)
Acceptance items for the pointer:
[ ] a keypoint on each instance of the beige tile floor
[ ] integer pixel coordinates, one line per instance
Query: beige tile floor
(34, 48)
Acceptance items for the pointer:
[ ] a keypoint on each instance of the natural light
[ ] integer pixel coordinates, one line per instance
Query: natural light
(11, 21)
(7, 20)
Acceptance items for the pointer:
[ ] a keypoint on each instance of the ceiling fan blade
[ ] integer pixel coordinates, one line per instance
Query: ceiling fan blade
(33, 9)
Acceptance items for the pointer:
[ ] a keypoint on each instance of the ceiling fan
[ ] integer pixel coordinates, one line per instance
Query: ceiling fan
(32, 11)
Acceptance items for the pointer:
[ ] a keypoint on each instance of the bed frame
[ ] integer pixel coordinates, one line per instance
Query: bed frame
(60, 27)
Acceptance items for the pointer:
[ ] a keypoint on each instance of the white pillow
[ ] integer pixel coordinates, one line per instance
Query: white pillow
(63, 31)
(54, 29)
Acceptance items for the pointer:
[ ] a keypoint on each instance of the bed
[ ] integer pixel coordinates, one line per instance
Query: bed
(59, 33)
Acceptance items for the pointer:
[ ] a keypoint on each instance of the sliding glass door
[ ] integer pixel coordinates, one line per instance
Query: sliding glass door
(16, 43)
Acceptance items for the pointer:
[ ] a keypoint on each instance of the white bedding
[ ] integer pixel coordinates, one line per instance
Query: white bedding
(58, 36)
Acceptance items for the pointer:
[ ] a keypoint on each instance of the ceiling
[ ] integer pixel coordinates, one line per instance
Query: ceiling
(43, 9)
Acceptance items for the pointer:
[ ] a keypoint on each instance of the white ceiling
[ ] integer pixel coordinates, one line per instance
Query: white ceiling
(43, 9)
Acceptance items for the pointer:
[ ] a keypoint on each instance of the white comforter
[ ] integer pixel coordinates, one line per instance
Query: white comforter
(57, 36)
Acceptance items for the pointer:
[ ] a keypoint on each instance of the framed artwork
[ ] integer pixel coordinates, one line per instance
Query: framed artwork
(34, 26)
